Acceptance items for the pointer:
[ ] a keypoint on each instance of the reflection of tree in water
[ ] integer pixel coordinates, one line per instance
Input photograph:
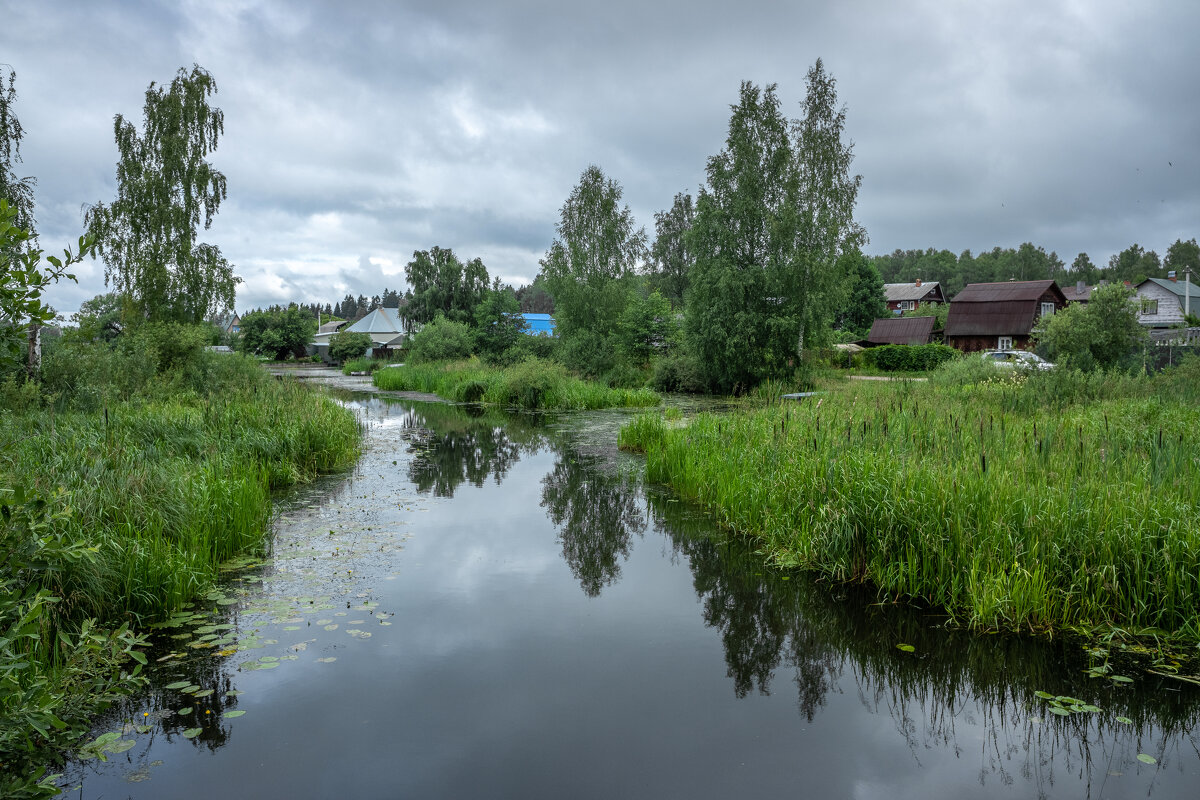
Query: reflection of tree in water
(597, 515)
(465, 444)
(828, 633)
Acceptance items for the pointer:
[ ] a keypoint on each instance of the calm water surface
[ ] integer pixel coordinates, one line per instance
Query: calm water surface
(489, 606)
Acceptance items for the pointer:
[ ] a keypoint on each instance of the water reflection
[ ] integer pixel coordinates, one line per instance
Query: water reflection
(597, 516)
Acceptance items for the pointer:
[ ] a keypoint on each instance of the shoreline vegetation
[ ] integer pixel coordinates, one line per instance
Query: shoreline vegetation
(122, 497)
(531, 385)
(1059, 501)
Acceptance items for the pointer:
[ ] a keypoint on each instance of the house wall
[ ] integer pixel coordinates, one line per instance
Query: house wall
(1170, 306)
(974, 344)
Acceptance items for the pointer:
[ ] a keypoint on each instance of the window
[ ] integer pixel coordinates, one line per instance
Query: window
(1047, 309)
(1149, 306)
(1004, 343)
(907, 305)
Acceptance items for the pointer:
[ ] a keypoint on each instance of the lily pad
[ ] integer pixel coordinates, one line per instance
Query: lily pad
(1125, 720)
(192, 733)
(178, 685)
(184, 711)
(120, 746)
(1044, 695)
(232, 714)
(1145, 759)
(332, 627)
(1062, 712)
(908, 648)
(327, 659)
(203, 693)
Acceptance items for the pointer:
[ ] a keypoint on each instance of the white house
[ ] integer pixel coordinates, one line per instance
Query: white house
(387, 328)
(1161, 301)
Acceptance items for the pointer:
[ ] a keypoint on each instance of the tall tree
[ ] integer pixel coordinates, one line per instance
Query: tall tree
(776, 213)
(671, 254)
(1183, 255)
(864, 300)
(18, 191)
(588, 268)
(165, 185)
(442, 284)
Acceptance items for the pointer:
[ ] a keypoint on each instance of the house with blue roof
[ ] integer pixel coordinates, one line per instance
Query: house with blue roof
(539, 324)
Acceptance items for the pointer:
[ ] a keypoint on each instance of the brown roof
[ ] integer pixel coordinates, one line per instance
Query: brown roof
(1008, 290)
(901, 330)
(1076, 295)
(896, 292)
(999, 309)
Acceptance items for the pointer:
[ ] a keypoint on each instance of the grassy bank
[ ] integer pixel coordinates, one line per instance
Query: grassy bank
(533, 385)
(115, 515)
(1054, 501)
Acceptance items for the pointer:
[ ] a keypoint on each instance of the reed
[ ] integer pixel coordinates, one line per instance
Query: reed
(532, 385)
(985, 499)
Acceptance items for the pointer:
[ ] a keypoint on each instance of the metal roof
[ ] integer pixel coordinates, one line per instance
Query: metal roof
(895, 292)
(330, 327)
(381, 320)
(1176, 287)
(1008, 290)
(901, 330)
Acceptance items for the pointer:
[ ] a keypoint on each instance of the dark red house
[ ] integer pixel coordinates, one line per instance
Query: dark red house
(907, 296)
(1000, 316)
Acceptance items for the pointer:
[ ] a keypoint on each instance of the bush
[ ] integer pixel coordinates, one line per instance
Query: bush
(677, 372)
(967, 371)
(441, 340)
(910, 357)
(348, 345)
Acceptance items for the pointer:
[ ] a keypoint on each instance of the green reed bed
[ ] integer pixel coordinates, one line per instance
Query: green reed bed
(532, 385)
(1008, 514)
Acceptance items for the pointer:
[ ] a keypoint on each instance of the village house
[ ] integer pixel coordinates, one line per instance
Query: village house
(1000, 316)
(387, 327)
(902, 297)
(1079, 293)
(1164, 302)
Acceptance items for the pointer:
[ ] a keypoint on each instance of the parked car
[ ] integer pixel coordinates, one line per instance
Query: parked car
(1016, 359)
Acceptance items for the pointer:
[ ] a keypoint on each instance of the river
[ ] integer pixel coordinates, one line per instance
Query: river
(491, 605)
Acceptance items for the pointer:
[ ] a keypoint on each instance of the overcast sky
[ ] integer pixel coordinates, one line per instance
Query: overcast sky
(358, 132)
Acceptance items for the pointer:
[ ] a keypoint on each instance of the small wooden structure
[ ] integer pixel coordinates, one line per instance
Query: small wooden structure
(901, 330)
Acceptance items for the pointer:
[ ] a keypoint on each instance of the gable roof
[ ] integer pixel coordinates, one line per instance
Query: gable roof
(1175, 287)
(1006, 290)
(1074, 294)
(381, 320)
(331, 327)
(901, 330)
(896, 292)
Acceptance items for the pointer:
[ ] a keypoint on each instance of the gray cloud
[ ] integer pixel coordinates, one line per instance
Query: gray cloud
(368, 130)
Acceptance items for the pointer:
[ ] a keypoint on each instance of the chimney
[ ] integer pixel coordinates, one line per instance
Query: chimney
(1171, 275)
(1080, 287)
(919, 282)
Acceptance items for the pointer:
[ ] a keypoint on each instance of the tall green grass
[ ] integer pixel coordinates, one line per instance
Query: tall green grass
(534, 384)
(987, 499)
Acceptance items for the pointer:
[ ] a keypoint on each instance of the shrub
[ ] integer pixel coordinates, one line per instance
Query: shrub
(910, 357)
(348, 345)
(677, 372)
(967, 371)
(441, 340)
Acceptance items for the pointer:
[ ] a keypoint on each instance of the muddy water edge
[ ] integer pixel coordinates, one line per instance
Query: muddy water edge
(491, 605)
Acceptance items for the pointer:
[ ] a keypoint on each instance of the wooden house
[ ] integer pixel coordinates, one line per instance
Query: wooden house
(1000, 316)
(901, 330)
(1162, 301)
(902, 297)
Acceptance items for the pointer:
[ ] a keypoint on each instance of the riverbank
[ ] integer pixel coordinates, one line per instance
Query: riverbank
(1048, 503)
(533, 385)
(118, 515)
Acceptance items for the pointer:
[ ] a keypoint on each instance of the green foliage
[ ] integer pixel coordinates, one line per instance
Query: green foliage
(99, 319)
(1103, 333)
(1182, 256)
(775, 215)
(499, 325)
(441, 340)
(147, 236)
(909, 357)
(367, 365)
(589, 268)
(647, 328)
(864, 300)
(671, 255)
(1133, 264)
(17, 191)
(22, 281)
(926, 492)
(277, 334)
(677, 372)
(349, 345)
(532, 384)
(443, 285)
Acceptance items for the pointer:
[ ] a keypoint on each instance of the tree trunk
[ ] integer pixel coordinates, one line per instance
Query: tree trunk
(35, 348)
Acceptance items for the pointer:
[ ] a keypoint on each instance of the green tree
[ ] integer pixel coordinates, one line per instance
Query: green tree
(1183, 255)
(589, 268)
(864, 299)
(1082, 269)
(671, 255)
(1102, 333)
(1133, 264)
(99, 319)
(441, 340)
(939, 311)
(647, 329)
(18, 191)
(147, 236)
(774, 217)
(441, 284)
(347, 345)
(278, 333)
(22, 283)
(498, 321)
(535, 298)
